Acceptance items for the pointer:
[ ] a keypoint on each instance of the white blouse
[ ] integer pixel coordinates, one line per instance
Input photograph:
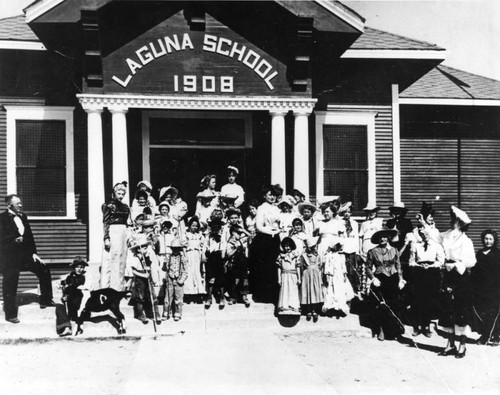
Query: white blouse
(267, 220)
(459, 248)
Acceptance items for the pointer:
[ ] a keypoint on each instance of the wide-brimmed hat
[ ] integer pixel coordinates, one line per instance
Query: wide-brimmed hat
(169, 189)
(371, 207)
(166, 223)
(205, 194)
(346, 206)
(233, 169)
(232, 210)
(398, 206)
(287, 199)
(146, 183)
(229, 198)
(327, 199)
(148, 222)
(296, 192)
(461, 215)
(163, 204)
(389, 233)
(426, 209)
(304, 205)
(288, 240)
(139, 240)
(176, 243)
(78, 261)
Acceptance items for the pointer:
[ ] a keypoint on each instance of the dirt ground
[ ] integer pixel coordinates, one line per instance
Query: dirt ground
(66, 367)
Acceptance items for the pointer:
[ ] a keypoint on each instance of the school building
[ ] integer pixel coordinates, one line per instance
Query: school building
(300, 93)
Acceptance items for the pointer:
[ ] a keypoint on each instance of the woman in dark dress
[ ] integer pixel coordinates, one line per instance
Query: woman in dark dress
(387, 281)
(116, 215)
(485, 280)
(265, 249)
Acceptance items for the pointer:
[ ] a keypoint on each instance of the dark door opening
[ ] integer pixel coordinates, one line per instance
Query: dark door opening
(185, 167)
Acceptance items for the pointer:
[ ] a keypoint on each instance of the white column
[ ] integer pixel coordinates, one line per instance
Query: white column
(278, 166)
(95, 183)
(120, 147)
(396, 149)
(301, 153)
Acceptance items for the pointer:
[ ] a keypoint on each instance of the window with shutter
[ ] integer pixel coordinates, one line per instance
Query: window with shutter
(345, 152)
(40, 159)
(41, 166)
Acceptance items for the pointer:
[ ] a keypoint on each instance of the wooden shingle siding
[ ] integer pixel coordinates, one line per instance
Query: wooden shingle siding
(480, 185)
(3, 153)
(429, 169)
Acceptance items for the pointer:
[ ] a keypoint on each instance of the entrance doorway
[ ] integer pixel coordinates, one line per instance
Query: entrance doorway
(184, 169)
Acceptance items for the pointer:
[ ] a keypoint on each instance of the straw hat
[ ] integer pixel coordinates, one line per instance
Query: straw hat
(305, 205)
(176, 243)
(389, 233)
(287, 199)
(205, 194)
(228, 198)
(139, 240)
(346, 206)
(398, 206)
(169, 189)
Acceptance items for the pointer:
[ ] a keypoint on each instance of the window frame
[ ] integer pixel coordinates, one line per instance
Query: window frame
(42, 113)
(349, 118)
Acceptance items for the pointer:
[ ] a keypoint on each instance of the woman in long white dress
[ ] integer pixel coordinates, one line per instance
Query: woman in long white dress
(195, 253)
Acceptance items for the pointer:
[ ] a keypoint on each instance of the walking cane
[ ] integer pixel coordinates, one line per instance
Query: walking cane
(142, 259)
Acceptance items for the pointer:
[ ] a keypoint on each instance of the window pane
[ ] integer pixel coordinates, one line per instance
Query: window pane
(197, 131)
(349, 185)
(346, 163)
(345, 147)
(41, 166)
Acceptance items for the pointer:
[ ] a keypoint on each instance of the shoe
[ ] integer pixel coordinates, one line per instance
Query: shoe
(427, 332)
(246, 301)
(381, 336)
(65, 332)
(231, 302)
(49, 303)
(308, 316)
(482, 340)
(222, 304)
(459, 355)
(177, 317)
(165, 316)
(208, 303)
(450, 351)
(13, 320)
(143, 319)
(315, 317)
(415, 332)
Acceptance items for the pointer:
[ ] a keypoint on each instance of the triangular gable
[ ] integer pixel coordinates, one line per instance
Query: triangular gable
(172, 58)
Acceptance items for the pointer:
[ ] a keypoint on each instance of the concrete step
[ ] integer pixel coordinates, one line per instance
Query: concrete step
(39, 323)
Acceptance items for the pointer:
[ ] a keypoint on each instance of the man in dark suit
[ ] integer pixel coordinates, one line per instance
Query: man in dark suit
(18, 253)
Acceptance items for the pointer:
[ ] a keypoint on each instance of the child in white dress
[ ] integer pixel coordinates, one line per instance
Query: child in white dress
(289, 278)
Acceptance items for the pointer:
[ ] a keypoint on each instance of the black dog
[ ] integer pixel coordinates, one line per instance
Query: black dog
(102, 300)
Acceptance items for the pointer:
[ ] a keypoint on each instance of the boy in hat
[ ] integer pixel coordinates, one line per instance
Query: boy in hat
(307, 210)
(175, 276)
(76, 289)
(146, 279)
(237, 265)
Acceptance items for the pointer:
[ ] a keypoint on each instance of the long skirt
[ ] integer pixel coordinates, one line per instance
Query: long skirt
(263, 270)
(388, 305)
(311, 286)
(194, 282)
(424, 295)
(114, 261)
(455, 311)
(337, 293)
(289, 292)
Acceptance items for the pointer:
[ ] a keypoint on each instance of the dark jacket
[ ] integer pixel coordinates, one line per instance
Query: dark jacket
(15, 255)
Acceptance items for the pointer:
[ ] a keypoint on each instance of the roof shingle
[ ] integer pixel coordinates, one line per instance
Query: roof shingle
(444, 82)
(378, 39)
(15, 28)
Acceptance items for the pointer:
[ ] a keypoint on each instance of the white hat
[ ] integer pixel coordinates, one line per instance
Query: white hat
(233, 169)
(371, 207)
(287, 199)
(327, 199)
(461, 215)
(345, 207)
(146, 183)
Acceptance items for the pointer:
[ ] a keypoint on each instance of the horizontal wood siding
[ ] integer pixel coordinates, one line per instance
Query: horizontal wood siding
(429, 172)
(480, 185)
(29, 282)
(3, 152)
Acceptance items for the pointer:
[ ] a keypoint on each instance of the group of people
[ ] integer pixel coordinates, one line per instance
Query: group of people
(307, 259)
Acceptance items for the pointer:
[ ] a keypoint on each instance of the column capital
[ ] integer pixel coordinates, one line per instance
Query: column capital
(302, 111)
(278, 112)
(92, 108)
(118, 109)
